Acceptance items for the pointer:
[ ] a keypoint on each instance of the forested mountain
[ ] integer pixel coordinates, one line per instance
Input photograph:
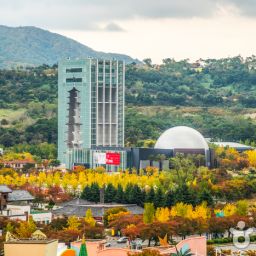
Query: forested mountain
(217, 97)
(223, 82)
(34, 46)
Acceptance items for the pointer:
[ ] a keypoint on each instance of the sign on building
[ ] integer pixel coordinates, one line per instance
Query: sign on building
(99, 158)
(113, 158)
(106, 158)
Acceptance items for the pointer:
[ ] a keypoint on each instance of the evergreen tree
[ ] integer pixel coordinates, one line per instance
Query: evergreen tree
(119, 197)
(129, 193)
(110, 193)
(95, 193)
(150, 196)
(159, 198)
(86, 194)
(185, 195)
(169, 199)
(137, 195)
(205, 196)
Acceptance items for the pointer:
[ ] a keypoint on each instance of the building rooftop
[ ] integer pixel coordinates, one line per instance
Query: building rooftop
(232, 145)
(23, 161)
(79, 207)
(31, 241)
(19, 195)
(5, 189)
(181, 137)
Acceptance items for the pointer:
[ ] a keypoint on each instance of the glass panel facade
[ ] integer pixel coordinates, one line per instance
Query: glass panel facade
(90, 107)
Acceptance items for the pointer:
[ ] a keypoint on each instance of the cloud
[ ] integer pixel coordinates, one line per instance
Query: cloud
(244, 7)
(89, 14)
(113, 27)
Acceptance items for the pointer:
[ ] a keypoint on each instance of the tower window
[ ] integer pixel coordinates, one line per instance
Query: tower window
(73, 80)
(74, 70)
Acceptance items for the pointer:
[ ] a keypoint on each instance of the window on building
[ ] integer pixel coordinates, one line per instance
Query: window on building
(74, 70)
(73, 80)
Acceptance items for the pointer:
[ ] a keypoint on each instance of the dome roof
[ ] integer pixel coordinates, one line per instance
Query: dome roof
(181, 137)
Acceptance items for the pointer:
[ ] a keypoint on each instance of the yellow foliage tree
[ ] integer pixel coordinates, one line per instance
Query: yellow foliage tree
(201, 211)
(162, 214)
(112, 217)
(73, 223)
(187, 211)
(26, 228)
(89, 218)
(229, 210)
(242, 207)
(251, 154)
(181, 210)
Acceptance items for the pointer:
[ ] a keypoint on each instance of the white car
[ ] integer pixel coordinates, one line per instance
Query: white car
(122, 239)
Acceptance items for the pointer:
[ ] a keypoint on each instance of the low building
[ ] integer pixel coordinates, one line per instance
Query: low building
(79, 207)
(237, 146)
(16, 204)
(180, 139)
(4, 194)
(19, 164)
(20, 196)
(31, 247)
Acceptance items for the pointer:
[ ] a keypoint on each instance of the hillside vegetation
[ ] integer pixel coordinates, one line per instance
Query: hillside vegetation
(217, 97)
(34, 46)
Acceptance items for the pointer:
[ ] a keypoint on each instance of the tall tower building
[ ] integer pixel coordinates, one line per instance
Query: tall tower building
(90, 107)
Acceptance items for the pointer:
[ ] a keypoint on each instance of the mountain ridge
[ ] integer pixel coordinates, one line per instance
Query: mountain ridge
(33, 46)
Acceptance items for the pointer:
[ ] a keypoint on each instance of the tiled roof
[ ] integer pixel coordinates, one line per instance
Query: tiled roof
(79, 207)
(5, 189)
(20, 195)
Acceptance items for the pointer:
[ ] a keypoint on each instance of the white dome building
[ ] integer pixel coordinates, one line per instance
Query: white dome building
(181, 137)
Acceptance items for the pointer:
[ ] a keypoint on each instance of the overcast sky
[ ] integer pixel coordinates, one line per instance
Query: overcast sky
(145, 28)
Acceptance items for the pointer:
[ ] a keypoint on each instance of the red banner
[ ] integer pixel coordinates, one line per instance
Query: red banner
(113, 158)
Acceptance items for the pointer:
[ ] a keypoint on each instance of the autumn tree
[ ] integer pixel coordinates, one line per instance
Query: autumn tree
(73, 223)
(112, 211)
(89, 218)
(26, 228)
(162, 214)
(242, 207)
(124, 220)
(131, 231)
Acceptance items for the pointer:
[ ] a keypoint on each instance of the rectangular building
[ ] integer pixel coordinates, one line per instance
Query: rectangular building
(31, 247)
(90, 107)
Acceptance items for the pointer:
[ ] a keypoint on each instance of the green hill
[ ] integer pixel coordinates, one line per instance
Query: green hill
(34, 46)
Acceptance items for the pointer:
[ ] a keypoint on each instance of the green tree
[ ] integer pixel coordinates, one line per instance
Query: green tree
(137, 195)
(110, 193)
(242, 207)
(205, 196)
(150, 196)
(159, 198)
(149, 213)
(119, 197)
